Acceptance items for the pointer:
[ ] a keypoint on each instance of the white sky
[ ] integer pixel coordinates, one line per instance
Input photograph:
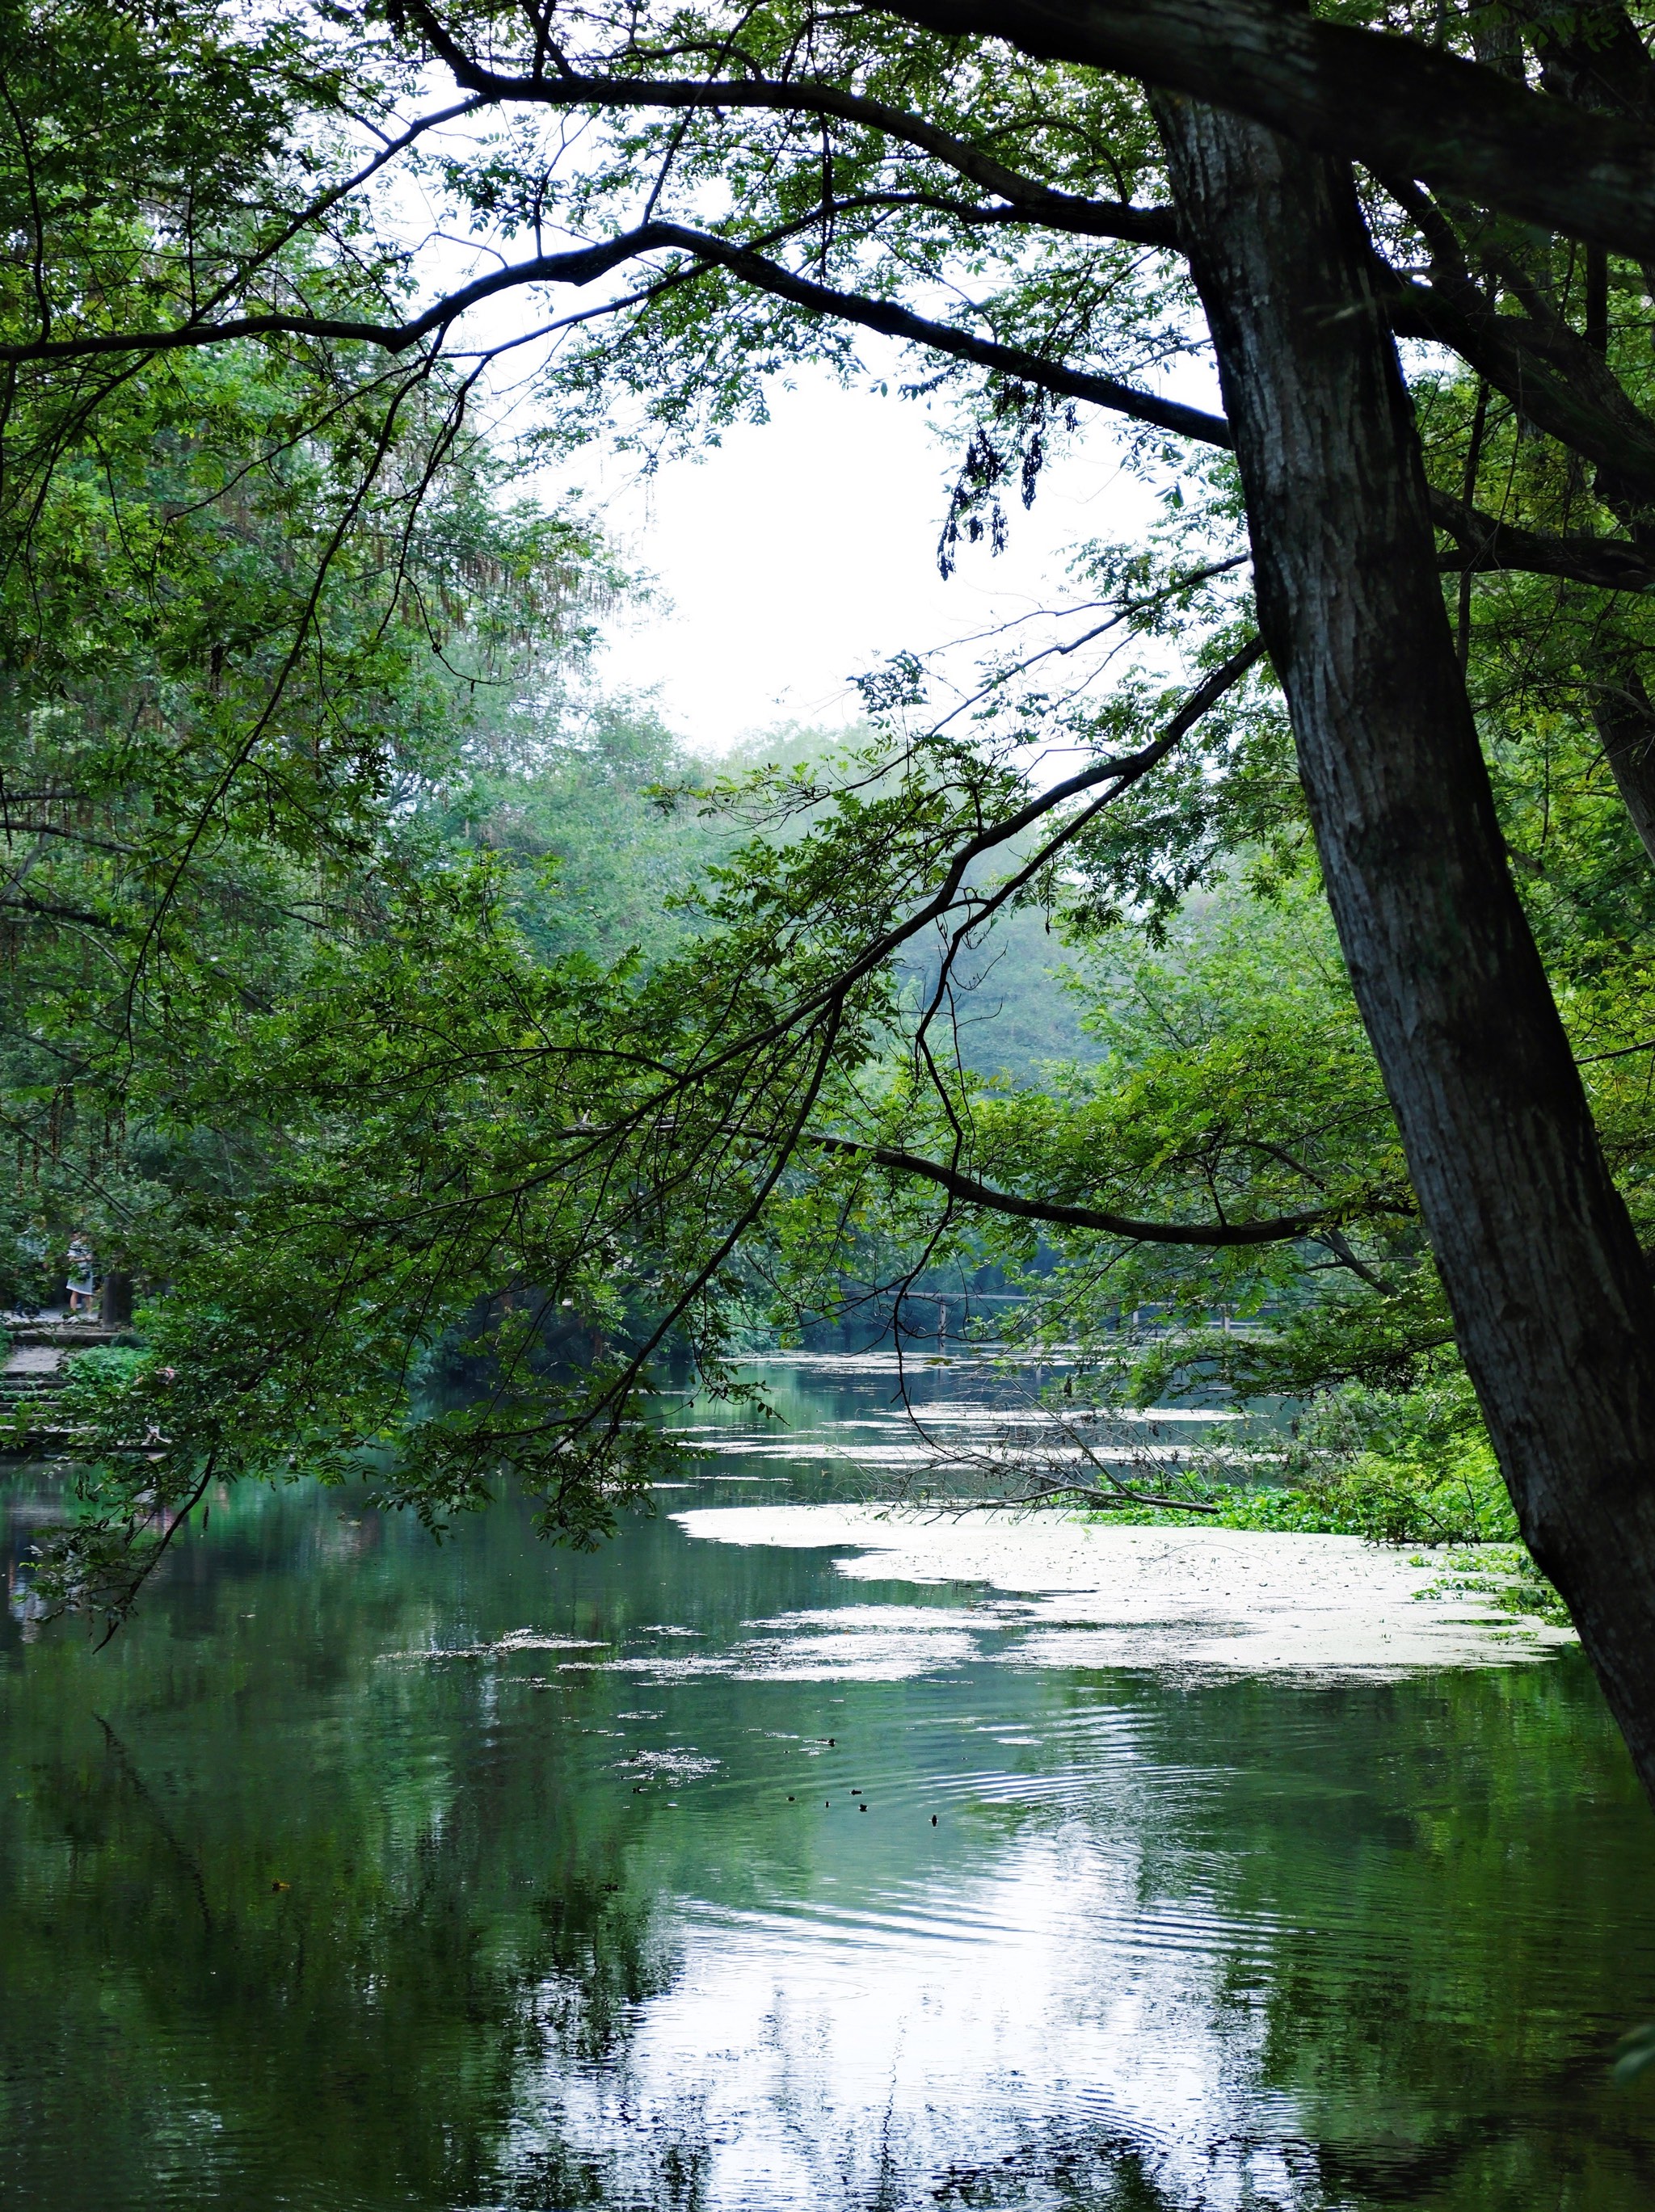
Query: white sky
(803, 551)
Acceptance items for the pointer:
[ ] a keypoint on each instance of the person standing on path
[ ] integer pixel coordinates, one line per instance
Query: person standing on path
(82, 1274)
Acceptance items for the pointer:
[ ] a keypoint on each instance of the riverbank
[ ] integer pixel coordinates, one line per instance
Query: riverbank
(1205, 1599)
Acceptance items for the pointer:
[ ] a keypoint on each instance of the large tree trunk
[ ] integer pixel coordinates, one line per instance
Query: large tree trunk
(1552, 1300)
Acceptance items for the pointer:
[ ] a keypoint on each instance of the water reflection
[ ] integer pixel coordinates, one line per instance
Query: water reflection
(364, 1874)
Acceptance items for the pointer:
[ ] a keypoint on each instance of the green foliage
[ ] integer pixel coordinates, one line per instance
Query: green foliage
(373, 992)
(1398, 1467)
(590, 817)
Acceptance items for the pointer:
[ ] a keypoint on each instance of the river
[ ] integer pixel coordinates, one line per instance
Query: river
(362, 1872)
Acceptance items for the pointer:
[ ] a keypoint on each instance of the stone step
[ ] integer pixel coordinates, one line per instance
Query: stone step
(31, 1384)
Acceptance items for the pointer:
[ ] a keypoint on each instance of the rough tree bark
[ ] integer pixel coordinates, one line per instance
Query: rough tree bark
(1552, 1299)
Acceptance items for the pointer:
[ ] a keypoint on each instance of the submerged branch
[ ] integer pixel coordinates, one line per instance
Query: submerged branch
(1059, 1492)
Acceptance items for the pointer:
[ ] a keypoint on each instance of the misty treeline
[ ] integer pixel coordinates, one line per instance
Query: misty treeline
(376, 983)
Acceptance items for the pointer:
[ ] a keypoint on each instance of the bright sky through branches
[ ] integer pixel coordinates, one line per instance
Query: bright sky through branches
(803, 551)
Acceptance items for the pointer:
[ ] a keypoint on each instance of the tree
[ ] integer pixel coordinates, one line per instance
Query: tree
(809, 175)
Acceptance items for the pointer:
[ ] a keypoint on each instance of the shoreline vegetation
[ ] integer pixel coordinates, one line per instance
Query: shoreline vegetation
(1447, 1500)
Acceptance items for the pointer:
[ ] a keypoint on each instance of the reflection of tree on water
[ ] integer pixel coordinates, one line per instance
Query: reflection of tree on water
(1388, 1931)
(398, 2005)
(229, 1942)
(1104, 2170)
(23, 1601)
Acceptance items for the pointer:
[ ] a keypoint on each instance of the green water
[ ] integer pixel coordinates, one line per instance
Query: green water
(364, 1873)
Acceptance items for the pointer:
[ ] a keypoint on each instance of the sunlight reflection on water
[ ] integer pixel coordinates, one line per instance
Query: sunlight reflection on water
(366, 1875)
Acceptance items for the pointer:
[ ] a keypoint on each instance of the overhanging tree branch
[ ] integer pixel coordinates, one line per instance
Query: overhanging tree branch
(1118, 773)
(1056, 210)
(1028, 367)
(1483, 543)
(1279, 1230)
(585, 265)
(1557, 381)
(1394, 104)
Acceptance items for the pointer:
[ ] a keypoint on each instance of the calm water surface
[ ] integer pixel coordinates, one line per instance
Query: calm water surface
(363, 1873)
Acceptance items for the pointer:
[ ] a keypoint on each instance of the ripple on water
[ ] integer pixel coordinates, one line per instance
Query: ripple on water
(308, 1930)
(1000, 2019)
(852, 1643)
